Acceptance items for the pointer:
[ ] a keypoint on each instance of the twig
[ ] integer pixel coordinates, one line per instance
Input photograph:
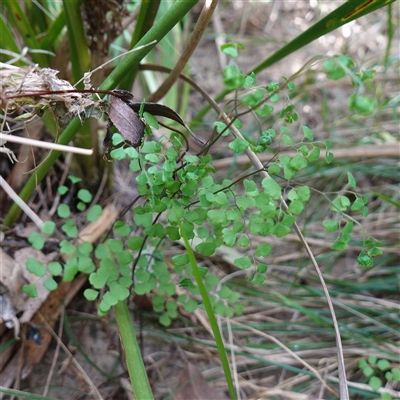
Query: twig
(45, 145)
(55, 357)
(293, 354)
(197, 34)
(17, 200)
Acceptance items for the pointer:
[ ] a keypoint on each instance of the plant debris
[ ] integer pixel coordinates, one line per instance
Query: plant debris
(41, 89)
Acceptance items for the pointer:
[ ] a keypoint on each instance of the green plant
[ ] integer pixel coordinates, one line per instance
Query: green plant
(182, 199)
(377, 371)
(214, 212)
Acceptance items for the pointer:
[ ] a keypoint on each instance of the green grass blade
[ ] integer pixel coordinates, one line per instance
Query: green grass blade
(24, 395)
(19, 20)
(210, 313)
(7, 41)
(347, 12)
(147, 14)
(79, 52)
(134, 361)
(55, 29)
(177, 11)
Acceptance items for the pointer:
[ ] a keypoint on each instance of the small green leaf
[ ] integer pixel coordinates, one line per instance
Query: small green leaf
(86, 265)
(383, 365)
(131, 152)
(363, 105)
(220, 127)
(357, 205)
(117, 139)
(263, 250)
(250, 187)
(231, 48)
(70, 229)
(329, 157)
(70, 269)
(175, 213)
(271, 188)
(280, 230)
(372, 360)
(239, 145)
(90, 294)
(259, 279)
(150, 119)
(48, 227)
(396, 374)
(50, 284)
(250, 80)
(84, 195)
(206, 248)
(62, 190)
(351, 179)
(35, 267)
(229, 237)
(298, 162)
(118, 154)
(190, 305)
(296, 207)
(186, 282)
(101, 251)
(287, 140)
(122, 228)
(135, 242)
(262, 268)
(243, 241)
(84, 249)
(364, 260)
(274, 169)
(368, 371)
(245, 202)
(134, 166)
(36, 240)
(54, 268)
(145, 219)
(330, 225)
(94, 213)
(63, 211)
(74, 179)
(307, 132)
(303, 193)
(264, 110)
(243, 262)
(180, 260)
(115, 245)
(314, 155)
(30, 290)
(375, 382)
(217, 217)
(67, 247)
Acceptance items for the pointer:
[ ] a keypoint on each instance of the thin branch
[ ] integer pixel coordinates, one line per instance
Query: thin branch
(45, 145)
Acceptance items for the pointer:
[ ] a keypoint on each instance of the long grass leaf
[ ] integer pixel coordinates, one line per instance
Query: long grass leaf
(50, 40)
(19, 20)
(7, 40)
(147, 14)
(79, 53)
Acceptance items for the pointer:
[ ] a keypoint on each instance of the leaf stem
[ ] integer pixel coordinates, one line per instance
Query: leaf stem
(133, 357)
(210, 313)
